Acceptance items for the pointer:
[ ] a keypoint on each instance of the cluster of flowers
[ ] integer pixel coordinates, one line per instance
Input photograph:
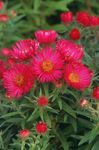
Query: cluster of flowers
(82, 18)
(45, 59)
(4, 16)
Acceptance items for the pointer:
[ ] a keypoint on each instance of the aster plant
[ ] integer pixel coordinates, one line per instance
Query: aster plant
(50, 88)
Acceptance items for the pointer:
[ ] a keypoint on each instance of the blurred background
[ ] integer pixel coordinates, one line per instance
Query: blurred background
(26, 16)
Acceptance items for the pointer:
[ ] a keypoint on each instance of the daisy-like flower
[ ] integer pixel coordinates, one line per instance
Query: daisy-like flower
(48, 65)
(25, 49)
(46, 36)
(69, 50)
(18, 80)
(78, 76)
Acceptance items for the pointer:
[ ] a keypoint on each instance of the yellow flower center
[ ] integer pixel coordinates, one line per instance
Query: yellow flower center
(47, 65)
(74, 77)
(19, 80)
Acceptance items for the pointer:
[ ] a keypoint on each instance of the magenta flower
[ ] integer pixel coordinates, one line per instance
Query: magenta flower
(69, 50)
(18, 80)
(25, 49)
(48, 65)
(78, 76)
(46, 36)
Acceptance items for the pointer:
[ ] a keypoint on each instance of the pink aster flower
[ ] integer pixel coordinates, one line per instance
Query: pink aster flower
(69, 50)
(25, 49)
(46, 36)
(18, 80)
(48, 65)
(78, 76)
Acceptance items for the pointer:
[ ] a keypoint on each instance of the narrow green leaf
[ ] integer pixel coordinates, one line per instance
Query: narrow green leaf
(96, 146)
(68, 109)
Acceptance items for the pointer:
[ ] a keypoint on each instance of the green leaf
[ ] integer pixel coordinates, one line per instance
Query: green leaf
(58, 27)
(94, 133)
(33, 114)
(60, 5)
(47, 118)
(68, 109)
(10, 115)
(59, 100)
(85, 138)
(63, 140)
(36, 4)
(96, 146)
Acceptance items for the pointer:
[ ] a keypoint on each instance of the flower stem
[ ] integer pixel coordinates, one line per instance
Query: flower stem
(23, 145)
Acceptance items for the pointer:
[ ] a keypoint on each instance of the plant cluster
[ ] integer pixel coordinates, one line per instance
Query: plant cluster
(50, 87)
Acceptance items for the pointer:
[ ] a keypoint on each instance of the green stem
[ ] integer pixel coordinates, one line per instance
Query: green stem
(23, 145)
(94, 111)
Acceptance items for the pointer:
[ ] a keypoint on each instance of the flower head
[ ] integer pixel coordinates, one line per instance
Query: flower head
(41, 127)
(66, 17)
(95, 93)
(42, 101)
(48, 65)
(83, 18)
(46, 36)
(18, 80)
(25, 49)
(13, 13)
(78, 76)
(4, 17)
(83, 102)
(6, 51)
(75, 34)
(24, 134)
(69, 50)
(94, 21)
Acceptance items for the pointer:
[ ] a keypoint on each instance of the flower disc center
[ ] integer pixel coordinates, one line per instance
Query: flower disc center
(19, 80)
(47, 66)
(74, 77)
